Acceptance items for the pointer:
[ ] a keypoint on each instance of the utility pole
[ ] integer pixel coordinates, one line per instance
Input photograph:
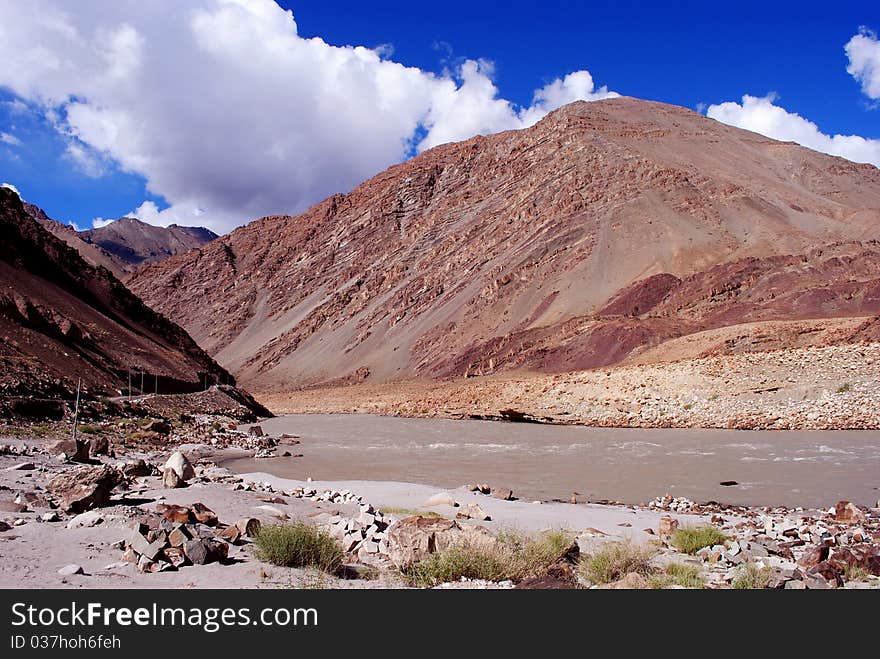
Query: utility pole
(156, 390)
(129, 384)
(142, 383)
(76, 410)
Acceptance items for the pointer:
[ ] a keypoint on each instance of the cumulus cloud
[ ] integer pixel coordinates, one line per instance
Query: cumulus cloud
(863, 51)
(762, 115)
(228, 113)
(99, 222)
(8, 138)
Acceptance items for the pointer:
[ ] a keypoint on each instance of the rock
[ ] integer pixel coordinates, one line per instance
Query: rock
(83, 488)
(144, 564)
(69, 570)
(136, 468)
(171, 480)
(795, 584)
(728, 483)
(22, 466)
(196, 551)
(100, 445)
(51, 516)
(413, 538)
(129, 556)
(848, 513)
(175, 556)
(144, 547)
(174, 513)
(158, 426)
(66, 447)
(204, 515)
(179, 536)
(255, 431)
(86, 520)
(230, 534)
(503, 494)
(667, 527)
(473, 511)
(249, 526)
(181, 466)
(813, 556)
(816, 582)
(4, 526)
(441, 499)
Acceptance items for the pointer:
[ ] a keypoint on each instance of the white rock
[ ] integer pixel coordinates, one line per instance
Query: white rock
(71, 569)
(441, 499)
(181, 465)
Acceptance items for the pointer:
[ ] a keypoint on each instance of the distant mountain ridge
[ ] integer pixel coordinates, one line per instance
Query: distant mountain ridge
(126, 244)
(62, 319)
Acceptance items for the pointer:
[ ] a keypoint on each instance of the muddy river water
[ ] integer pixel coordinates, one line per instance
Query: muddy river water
(794, 468)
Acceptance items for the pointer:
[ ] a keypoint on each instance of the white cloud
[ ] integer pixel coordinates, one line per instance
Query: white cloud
(863, 51)
(473, 107)
(8, 138)
(11, 187)
(762, 115)
(227, 112)
(99, 222)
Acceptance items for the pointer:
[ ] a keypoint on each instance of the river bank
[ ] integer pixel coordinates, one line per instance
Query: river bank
(814, 388)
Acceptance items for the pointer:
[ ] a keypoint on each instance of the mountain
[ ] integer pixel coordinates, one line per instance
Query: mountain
(125, 244)
(137, 243)
(61, 318)
(606, 229)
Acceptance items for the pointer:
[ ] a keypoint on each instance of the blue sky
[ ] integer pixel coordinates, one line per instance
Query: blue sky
(63, 152)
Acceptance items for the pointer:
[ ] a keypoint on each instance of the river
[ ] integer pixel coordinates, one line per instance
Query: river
(792, 468)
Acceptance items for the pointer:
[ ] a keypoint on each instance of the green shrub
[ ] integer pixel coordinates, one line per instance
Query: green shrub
(677, 574)
(845, 387)
(511, 556)
(615, 560)
(408, 512)
(750, 577)
(89, 430)
(691, 539)
(298, 545)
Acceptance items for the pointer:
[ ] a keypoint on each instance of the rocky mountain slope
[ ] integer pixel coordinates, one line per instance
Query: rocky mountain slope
(606, 229)
(125, 244)
(61, 319)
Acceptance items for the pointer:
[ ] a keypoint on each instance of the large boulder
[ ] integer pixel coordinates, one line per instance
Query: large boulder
(412, 539)
(181, 465)
(846, 512)
(84, 488)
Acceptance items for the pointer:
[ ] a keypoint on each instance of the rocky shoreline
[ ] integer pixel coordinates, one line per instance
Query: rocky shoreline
(160, 512)
(814, 388)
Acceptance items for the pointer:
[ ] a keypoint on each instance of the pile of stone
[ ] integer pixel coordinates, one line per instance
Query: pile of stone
(802, 551)
(364, 535)
(176, 536)
(13, 449)
(675, 504)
